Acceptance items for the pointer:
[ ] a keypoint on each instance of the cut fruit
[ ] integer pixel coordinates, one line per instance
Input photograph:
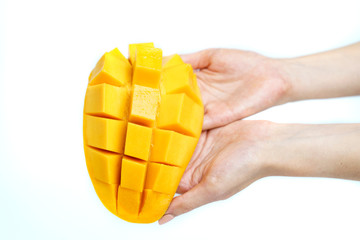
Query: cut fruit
(142, 121)
(179, 79)
(144, 105)
(181, 114)
(147, 68)
(171, 61)
(104, 100)
(138, 141)
(163, 178)
(105, 166)
(111, 69)
(105, 133)
(133, 174)
(171, 148)
(133, 48)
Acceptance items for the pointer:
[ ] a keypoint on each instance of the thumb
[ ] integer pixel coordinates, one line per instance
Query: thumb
(194, 198)
(198, 60)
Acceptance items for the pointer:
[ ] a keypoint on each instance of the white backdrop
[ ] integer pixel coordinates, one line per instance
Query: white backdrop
(47, 49)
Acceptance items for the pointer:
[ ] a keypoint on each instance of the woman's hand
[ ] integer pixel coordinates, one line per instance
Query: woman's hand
(235, 84)
(226, 160)
(230, 158)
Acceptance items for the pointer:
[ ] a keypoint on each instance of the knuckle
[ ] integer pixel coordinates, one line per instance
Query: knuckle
(213, 187)
(184, 207)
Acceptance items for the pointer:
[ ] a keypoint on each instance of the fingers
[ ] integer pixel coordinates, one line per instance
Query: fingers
(211, 122)
(194, 198)
(208, 123)
(181, 189)
(199, 60)
(216, 117)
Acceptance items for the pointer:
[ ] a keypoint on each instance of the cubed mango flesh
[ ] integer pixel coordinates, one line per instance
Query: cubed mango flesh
(171, 148)
(138, 141)
(179, 79)
(180, 113)
(133, 49)
(142, 121)
(105, 133)
(105, 166)
(171, 61)
(107, 101)
(144, 104)
(111, 69)
(147, 67)
(133, 174)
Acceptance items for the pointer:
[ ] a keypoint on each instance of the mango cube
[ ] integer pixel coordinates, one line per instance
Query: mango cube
(112, 70)
(138, 141)
(128, 202)
(144, 105)
(179, 113)
(172, 148)
(163, 178)
(133, 47)
(115, 52)
(171, 61)
(104, 100)
(179, 79)
(133, 174)
(105, 133)
(147, 69)
(105, 165)
(151, 199)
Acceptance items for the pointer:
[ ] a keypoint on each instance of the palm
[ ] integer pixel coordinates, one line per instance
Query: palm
(235, 84)
(225, 158)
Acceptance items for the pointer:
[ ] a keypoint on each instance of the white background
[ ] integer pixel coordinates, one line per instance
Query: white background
(47, 49)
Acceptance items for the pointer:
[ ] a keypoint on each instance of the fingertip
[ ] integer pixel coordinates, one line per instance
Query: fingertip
(185, 57)
(194, 198)
(197, 60)
(189, 58)
(165, 219)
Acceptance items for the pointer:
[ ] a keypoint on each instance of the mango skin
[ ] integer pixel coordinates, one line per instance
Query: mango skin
(141, 130)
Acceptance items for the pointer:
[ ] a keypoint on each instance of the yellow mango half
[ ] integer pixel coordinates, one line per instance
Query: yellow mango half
(142, 121)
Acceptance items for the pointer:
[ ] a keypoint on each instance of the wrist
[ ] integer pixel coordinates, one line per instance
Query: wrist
(271, 149)
(325, 150)
(285, 74)
(287, 154)
(289, 72)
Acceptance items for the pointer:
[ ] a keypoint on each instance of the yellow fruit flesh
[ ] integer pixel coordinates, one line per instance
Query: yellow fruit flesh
(142, 122)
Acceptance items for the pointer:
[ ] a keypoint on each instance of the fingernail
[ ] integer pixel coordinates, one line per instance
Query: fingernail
(166, 218)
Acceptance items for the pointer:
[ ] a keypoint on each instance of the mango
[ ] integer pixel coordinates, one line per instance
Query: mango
(142, 121)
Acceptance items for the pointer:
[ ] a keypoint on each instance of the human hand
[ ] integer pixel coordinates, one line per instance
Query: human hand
(226, 160)
(235, 84)
(230, 158)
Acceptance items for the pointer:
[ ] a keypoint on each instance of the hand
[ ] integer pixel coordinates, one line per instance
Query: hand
(226, 160)
(230, 158)
(235, 84)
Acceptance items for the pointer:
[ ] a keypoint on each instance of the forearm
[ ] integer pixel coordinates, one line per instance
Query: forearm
(315, 150)
(335, 73)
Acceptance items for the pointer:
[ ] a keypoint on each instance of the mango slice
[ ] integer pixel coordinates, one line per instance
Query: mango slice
(142, 121)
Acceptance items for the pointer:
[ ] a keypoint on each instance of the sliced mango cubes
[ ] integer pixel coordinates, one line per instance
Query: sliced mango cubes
(142, 121)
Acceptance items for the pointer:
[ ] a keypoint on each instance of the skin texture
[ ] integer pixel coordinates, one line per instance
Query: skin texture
(235, 84)
(233, 153)
(224, 163)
